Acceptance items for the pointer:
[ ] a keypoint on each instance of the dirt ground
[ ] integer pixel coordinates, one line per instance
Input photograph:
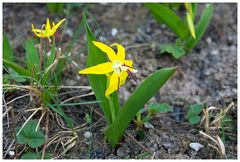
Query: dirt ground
(206, 75)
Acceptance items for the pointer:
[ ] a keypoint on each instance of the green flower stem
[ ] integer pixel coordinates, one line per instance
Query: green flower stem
(111, 105)
(110, 101)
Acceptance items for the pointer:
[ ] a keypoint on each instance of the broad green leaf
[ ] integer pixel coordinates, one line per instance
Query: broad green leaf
(165, 15)
(145, 91)
(31, 155)
(194, 109)
(7, 49)
(201, 27)
(29, 135)
(32, 56)
(176, 51)
(20, 70)
(159, 108)
(13, 76)
(193, 113)
(50, 58)
(98, 82)
(194, 119)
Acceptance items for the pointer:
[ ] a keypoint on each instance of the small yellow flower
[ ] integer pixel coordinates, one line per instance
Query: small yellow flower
(117, 68)
(49, 31)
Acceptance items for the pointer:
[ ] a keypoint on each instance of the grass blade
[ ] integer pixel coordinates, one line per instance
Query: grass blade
(137, 100)
(165, 15)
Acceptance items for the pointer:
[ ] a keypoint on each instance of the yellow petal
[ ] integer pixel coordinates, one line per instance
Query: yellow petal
(128, 63)
(120, 52)
(103, 68)
(108, 50)
(123, 77)
(191, 25)
(38, 32)
(48, 27)
(113, 84)
(58, 24)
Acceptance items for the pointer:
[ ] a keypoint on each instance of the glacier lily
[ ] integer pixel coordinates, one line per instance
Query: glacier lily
(116, 69)
(48, 31)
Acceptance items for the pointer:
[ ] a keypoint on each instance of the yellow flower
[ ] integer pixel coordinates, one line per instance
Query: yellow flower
(49, 31)
(117, 68)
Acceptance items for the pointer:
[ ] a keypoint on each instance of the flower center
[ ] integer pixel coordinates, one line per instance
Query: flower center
(117, 66)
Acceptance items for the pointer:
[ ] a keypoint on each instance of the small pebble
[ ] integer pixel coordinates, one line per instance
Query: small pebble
(11, 153)
(209, 40)
(114, 32)
(87, 134)
(69, 32)
(215, 52)
(196, 146)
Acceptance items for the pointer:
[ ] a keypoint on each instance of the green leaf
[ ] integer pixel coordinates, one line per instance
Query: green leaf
(140, 134)
(20, 70)
(193, 113)
(194, 109)
(29, 135)
(55, 7)
(194, 119)
(176, 51)
(50, 59)
(201, 27)
(13, 76)
(7, 50)
(48, 93)
(159, 108)
(194, 9)
(99, 82)
(145, 91)
(31, 155)
(165, 15)
(32, 56)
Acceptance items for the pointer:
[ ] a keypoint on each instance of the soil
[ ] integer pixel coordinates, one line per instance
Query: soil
(208, 75)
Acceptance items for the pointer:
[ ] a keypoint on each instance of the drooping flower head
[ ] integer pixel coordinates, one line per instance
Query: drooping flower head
(48, 29)
(117, 68)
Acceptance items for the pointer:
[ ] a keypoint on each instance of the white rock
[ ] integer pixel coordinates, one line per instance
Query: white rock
(114, 32)
(209, 40)
(11, 153)
(87, 134)
(69, 32)
(196, 146)
(215, 52)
